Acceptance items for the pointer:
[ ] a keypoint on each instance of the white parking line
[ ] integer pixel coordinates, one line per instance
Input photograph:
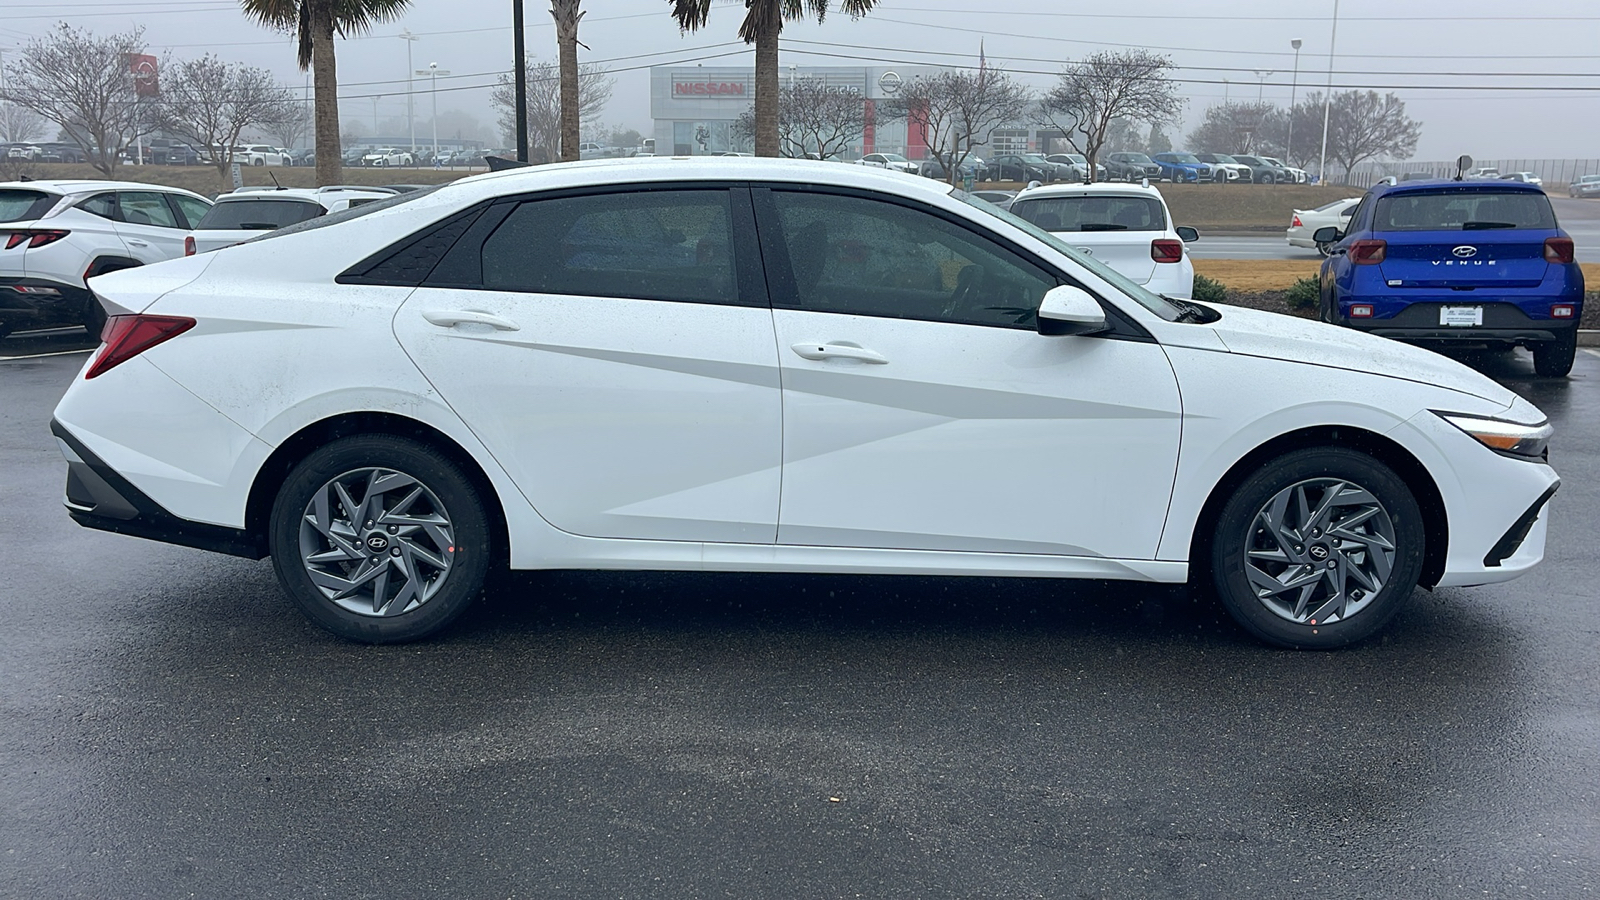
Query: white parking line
(1591, 352)
(43, 355)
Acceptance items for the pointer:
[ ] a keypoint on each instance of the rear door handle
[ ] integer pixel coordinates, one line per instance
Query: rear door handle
(449, 318)
(837, 350)
(137, 243)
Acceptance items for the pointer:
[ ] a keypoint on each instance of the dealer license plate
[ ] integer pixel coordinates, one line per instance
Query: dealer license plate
(1460, 316)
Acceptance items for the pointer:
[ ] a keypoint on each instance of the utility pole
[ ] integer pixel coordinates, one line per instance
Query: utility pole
(1327, 99)
(1288, 150)
(411, 118)
(433, 72)
(520, 80)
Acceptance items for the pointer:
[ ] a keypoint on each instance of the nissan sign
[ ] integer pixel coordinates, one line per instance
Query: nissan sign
(708, 88)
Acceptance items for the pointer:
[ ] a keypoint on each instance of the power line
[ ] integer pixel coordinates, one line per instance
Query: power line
(1251, 18)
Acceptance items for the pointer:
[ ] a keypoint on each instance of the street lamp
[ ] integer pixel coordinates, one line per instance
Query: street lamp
(1263, 74)
(411, 120)
(1327, 98)
(433, 72)
(1289, 147)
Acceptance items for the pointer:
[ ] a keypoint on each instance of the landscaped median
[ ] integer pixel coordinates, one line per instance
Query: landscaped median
(1270, 284)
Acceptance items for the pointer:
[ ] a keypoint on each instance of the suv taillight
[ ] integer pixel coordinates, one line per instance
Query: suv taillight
(34, 238)
(1166, 250)
(188, 245)
(1368, 253)
(128, 336)
(1558, 250)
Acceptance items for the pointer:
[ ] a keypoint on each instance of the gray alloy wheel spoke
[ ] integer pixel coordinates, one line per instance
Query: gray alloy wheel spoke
(376, 542)
(1319, 551)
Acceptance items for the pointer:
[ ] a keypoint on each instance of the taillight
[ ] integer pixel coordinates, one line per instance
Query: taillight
(1562, 311)
(1296, 223)
(1558, 250)
(188, 246)
(1361, 311)
(40, 238)
(15, 238)
(128, 336)
(1166, 250)
(1368, 253)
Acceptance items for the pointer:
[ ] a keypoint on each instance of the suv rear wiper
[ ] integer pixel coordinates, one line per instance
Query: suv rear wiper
(1479, 226)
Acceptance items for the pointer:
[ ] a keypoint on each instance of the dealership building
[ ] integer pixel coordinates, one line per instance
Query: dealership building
(695, 107)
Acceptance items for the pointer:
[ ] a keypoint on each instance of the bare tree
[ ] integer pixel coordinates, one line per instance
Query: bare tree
(1363, 125)
(957, 109)
(209, 103)
(813, 117)
(84, 83)
(1110, 85)
(293, 127)
(19, 123)
(1241, 127)
(544, 104)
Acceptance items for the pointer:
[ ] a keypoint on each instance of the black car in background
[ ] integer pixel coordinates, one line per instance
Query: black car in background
(1265, 172)
(1025, 167)
(1129, 166)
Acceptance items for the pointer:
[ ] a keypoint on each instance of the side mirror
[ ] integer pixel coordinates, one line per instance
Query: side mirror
(1188, 234)
(1070, 310)
(1327, 234)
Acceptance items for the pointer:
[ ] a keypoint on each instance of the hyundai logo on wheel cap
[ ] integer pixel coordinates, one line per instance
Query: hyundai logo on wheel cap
(377, 542)
(1464, 251)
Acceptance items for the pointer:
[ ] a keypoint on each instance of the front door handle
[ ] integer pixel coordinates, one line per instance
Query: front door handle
(837, 350)
(449, 318)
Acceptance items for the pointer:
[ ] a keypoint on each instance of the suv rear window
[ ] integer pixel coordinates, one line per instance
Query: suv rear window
(1463, 211)
(259, 215)
(1092, 213)
(22, 206)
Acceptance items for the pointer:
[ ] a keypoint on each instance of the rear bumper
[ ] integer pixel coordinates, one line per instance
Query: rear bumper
(1502, 323)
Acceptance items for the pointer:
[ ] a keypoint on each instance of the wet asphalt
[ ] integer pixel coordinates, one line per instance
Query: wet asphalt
(171, 727)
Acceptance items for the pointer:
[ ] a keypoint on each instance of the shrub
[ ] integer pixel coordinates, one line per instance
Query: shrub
(1209, 290)
(1304, 294)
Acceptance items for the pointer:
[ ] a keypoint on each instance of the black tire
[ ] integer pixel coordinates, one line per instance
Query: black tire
(1553, 359)
(1240, 527)
(259, 162)
(450, 494)
(1266, 178)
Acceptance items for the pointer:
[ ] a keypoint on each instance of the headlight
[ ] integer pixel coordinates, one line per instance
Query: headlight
(1506, 438)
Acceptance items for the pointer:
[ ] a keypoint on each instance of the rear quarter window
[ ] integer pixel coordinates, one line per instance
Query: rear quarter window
(1463, 211)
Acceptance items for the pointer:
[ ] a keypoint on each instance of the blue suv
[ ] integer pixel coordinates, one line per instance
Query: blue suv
(1457, 263)
(1182, 168)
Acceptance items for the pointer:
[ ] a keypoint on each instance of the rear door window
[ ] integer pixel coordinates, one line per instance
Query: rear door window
(1464, 211)
(23, 206)
(258, 215)
(1092, 213)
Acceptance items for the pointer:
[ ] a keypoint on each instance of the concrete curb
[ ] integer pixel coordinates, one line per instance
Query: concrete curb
(1588, 337)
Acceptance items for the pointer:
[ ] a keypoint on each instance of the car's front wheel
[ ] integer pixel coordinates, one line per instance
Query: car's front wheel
(1318, 549)
(380, 539)
(1325, 248)
(1553, 359)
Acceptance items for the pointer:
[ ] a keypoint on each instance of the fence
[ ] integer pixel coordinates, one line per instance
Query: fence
(1554, 172)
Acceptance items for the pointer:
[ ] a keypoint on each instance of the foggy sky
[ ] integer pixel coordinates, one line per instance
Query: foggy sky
(1398, 45)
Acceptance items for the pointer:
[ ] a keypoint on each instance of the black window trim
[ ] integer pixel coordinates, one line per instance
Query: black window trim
(780, 277)
(750, 285)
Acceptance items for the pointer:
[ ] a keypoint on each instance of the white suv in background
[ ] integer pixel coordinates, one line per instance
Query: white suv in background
(260, 155)
(243, 215)
(1125, 226)
(55, 234)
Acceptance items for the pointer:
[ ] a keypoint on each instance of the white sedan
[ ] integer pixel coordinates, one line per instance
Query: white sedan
(766, 365)
(893, 161)
(1305, 222)
(1125, 226)
(387, 156)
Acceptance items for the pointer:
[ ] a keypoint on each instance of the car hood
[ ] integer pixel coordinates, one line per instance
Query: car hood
(1251, 332)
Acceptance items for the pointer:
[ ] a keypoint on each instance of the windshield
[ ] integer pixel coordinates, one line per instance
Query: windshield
(1136, 292)
(894, 157)
(1182, 157)
(1275, 161)
(1219, 157)
(1034, 157)
(21, 206)
(1464, 210)
(1136, 157)
(1092, 213)
(258, 215)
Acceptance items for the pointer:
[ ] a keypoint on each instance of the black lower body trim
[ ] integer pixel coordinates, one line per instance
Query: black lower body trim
(1511, 541)
(100, 498)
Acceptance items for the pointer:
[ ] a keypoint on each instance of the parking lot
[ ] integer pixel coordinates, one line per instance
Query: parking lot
(174, 728)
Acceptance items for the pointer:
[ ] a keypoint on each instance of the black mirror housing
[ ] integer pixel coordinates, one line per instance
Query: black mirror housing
(1327, 234)
(1188, 234)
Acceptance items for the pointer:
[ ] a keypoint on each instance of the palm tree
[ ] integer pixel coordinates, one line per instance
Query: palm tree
(313, 23)
(762, 24)
(567, 13)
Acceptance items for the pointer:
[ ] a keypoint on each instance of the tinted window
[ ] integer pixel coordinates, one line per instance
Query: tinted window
(146, 208)
(868, 257)
(193, 209)
(21, 206)
(1463, 211)
(259, 215)
(102, 205)
(1092, 213)
(649, 245)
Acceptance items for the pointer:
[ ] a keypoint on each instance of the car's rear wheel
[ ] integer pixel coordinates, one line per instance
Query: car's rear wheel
(380, 539)
(1553, 359)
(1318, 549)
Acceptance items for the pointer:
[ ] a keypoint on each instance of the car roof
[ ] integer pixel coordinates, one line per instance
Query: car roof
(83, 185)
(322, 196)
(1432, 185)
(1098, 189)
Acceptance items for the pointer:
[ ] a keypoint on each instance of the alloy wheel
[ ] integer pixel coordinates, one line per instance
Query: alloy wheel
(1320, 551)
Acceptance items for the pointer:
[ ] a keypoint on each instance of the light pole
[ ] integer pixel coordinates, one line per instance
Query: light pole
(375, 99)
(411, 119)
(1289, 148)
(519, 79)
(1327, 99)
(1262, 74)
(433, 72)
